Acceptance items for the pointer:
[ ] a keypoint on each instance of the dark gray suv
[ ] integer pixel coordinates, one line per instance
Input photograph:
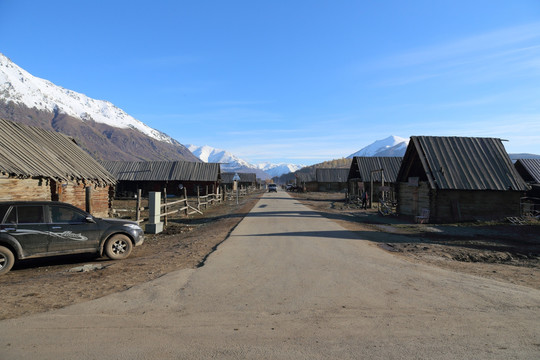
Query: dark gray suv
(30, 229)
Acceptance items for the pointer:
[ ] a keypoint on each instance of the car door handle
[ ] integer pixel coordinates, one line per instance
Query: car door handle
(10, 229)
(56, 227)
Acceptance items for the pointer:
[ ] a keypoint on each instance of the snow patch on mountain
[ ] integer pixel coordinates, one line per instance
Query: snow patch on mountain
(21, 87)
(390, 146)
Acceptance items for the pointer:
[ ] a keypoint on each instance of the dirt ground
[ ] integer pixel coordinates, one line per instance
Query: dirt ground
(494, 250)
(38, 285)
(498, 250)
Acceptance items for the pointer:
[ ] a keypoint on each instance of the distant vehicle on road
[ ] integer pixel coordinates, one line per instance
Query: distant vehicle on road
(272, 188)
(32, 229)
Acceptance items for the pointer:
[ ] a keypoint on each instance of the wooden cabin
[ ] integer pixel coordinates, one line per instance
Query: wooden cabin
(529, 169)
(449, 179)
(173, 176)
(306, 180)
(371, 173)
(246, 180)
(37, 164)
(331, 179)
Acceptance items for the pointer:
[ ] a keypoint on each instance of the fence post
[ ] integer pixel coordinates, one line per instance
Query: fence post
(138, 210)
(154, 226)
(165, 210)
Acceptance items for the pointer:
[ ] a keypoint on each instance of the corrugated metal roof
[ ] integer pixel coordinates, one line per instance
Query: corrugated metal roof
(362, 167)
(463, 163)
(227, 178)
(27, 151)
(332, 175)
(163, 170)
(531, 166)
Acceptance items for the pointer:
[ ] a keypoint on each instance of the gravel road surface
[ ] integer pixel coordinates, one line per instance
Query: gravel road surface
(290, 284)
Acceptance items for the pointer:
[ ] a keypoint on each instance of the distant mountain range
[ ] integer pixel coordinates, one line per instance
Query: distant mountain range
(232, 163)
(102, 129)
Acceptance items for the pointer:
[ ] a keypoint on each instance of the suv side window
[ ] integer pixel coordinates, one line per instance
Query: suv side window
(3, 210)
(30, 214)
(64, 215)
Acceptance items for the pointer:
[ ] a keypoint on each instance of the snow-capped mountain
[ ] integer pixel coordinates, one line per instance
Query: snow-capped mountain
(20, 86)
(100, 127)
(390, 146)
(232, 163)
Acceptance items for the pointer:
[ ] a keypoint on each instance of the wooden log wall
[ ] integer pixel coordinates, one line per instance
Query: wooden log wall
(14, 189)
(332, 187)
(75, 194)
(447, 206)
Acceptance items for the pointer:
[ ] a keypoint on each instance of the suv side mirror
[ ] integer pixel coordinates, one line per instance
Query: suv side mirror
(90, 219)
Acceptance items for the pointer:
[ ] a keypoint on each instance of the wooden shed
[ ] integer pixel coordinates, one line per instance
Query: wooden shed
(173, 176)
(368, 173)
(331, 179)
(306, 180)
(448, 179)
(37, 164)
(246, 180)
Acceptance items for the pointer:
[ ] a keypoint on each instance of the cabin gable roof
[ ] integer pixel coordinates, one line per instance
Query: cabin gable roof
(460, 163)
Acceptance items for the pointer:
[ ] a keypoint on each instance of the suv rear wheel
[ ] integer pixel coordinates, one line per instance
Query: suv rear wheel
(118, 247)
(6, 260)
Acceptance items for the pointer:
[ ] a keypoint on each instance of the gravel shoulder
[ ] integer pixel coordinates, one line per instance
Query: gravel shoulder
(39, 285)
(498, 250)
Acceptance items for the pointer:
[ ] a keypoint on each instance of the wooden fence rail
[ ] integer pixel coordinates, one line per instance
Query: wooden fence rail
(183, 205)
(178, 206)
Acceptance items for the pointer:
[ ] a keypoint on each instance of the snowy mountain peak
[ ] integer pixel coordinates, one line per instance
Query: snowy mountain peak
(390, 146)
(21, 87)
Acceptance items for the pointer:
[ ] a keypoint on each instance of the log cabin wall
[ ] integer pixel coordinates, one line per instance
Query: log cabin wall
(472, 205)
(448, 206)
(15, 189)
(332, 187)
(75, 194)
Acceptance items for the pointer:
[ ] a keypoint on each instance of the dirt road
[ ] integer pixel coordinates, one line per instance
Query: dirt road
(289, 283)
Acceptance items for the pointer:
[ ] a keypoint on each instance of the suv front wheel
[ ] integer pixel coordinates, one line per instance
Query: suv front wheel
(6, 260)
(118, 247)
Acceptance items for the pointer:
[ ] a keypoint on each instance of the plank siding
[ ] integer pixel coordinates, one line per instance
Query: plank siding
(412, 199)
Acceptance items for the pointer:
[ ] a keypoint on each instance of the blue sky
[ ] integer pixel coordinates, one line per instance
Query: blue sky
(293, 81)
